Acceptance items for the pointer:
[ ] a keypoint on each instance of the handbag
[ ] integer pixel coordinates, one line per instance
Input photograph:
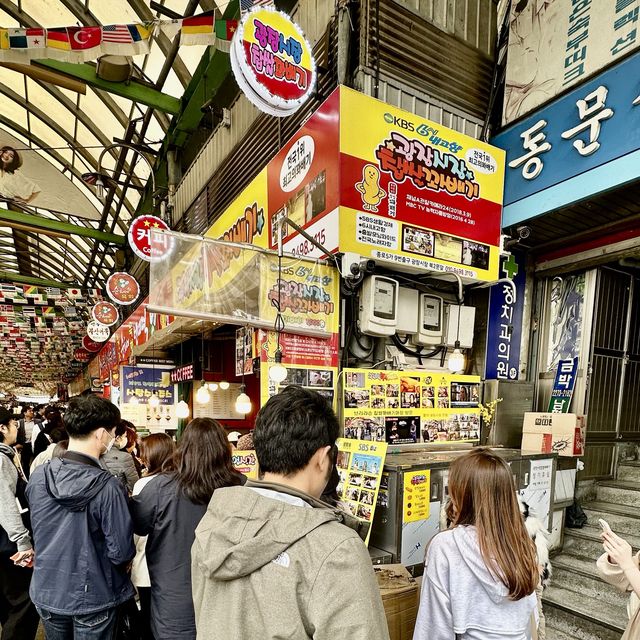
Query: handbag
(128, 624)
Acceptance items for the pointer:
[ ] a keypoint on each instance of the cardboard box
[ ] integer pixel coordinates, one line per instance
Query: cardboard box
(399, 592)
(561, 433)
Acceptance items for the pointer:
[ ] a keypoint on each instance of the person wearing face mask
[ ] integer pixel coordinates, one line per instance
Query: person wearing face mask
(82, 530)
(118, 461)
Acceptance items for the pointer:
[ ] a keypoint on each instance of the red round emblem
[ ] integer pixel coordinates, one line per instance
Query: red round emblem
(122, 288)
(146, 245)
(105, 313)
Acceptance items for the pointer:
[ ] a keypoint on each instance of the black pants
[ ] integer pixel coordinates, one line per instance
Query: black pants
(144, 594)
(19, 616)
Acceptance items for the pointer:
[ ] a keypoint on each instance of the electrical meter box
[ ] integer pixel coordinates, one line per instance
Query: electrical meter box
(430, 320)
(408, 300)
(459, 323)
(379, 306)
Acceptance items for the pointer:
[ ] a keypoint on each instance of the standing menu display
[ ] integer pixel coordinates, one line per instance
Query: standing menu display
(410, 407)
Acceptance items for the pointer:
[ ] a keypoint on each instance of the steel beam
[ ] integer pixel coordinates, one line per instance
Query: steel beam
(133, 90)
(9, 276)
(27, 220)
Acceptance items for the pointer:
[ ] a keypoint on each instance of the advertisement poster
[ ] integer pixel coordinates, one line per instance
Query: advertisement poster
(410, 407)
(142, 382)
(244, 351)
(245, 462)
(322, 380)
(360, 467)
(416, 499)
(563, 386)
(415, 193)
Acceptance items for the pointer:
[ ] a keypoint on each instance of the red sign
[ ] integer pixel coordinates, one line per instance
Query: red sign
(105, 313)
(141, 242)
(122, 288)
(81, 355)
(91, 345)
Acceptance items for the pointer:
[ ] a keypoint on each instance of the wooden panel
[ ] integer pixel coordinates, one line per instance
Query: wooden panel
(598, 461)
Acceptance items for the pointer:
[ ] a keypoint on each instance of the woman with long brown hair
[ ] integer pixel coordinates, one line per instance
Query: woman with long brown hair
(481, 573)
(168, 510)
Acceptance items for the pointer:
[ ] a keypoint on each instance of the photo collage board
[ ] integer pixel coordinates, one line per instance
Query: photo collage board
(360, 467)
(410, 407)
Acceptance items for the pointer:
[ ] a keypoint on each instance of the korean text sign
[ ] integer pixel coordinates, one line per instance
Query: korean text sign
(142, 382)
(590, 127)
(563, 386)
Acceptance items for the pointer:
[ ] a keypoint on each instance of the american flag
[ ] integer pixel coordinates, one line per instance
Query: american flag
(116, 33)
(247, 5)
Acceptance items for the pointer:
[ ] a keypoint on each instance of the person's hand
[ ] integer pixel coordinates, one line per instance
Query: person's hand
(23, 558)
(619, 550)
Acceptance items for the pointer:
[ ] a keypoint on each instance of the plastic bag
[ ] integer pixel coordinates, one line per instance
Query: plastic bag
(576, 517)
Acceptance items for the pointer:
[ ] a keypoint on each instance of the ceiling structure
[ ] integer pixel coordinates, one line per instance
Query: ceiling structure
(69, 121)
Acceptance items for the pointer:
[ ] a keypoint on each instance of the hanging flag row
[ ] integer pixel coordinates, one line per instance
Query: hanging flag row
(80, 44)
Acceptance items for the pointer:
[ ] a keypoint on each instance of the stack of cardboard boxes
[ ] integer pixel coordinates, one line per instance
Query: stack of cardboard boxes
(561, 433)
(399, 593)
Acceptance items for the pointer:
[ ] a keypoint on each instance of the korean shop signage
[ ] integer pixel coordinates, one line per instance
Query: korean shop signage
(587, 137)
(185, 373)
(504, 331)
(563, 386)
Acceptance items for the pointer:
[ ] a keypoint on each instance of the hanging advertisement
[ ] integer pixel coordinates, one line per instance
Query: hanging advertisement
(563, 386)
(415, 193)
(139, 236)
(360, 467)
(556, 45)
(105, 313)
(245, 343)
(410, 407)
(97, 331)
(142, 382)
(272, 62)
(122, 288)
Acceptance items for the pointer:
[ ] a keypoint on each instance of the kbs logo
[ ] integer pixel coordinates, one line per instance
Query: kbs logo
(398, 122)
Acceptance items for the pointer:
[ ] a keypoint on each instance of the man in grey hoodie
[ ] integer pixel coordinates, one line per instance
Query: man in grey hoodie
(270, 560)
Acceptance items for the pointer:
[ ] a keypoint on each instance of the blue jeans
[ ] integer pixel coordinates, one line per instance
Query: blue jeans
(93, 626)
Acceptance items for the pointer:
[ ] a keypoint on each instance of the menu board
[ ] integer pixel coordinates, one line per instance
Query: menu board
(410, 407)
(360, 466)
(221, 405)
(416, 499)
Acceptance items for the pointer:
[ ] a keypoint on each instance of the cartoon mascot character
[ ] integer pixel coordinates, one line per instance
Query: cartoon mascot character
(370, 189)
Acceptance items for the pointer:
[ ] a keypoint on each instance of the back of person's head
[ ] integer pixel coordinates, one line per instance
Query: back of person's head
(290, 429)
(245, 442)
(6, 416)
(203, 460)
(85, 414)
(60, 448)
(483, 494)
(157, 452)
(54, 420)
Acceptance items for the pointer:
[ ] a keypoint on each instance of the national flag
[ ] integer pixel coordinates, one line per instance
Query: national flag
(48, 311)
(170, 28)
(198, 29)
(27, 38)
(247, 5)
(58, 38)
(127, 39)
(52, 292)
(74, 294)
(82, 38)
(116, 33)
(29, 290)
(225, 30)
(4, 39)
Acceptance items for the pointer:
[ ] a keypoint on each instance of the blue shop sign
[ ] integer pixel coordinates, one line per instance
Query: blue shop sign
(141, 382)
(579, 145)
(504, 329)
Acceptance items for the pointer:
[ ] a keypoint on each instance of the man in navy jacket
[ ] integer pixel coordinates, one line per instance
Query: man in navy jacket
(83, 534)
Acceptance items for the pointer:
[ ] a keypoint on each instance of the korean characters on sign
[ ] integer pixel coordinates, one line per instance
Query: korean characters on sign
(147, 245)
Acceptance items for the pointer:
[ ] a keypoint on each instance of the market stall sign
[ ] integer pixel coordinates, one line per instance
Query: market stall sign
(140, 238)
(105, 313)
(185, 373)
(273, 62)
(122, 288)
(97, 331)
(93, 346)
(81, 355)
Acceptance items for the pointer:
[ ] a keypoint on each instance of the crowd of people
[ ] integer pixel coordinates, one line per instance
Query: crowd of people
(111, 537)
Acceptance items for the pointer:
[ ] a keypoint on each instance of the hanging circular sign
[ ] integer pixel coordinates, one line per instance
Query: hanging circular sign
(273, 62)
(81, 355)
(98, 332)
(122, 288)
(146, 245)
(105, 313)
(91, 345)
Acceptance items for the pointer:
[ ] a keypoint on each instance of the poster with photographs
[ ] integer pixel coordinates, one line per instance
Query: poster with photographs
(244, 351)
(360, 465)
(410, 407)
(322, 380)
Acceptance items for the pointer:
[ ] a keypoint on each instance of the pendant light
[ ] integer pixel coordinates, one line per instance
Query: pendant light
(154, 400)
(202, 395)
(224, 385)
(456, 360)
(213, 386)
(243, 401)
(277, 371)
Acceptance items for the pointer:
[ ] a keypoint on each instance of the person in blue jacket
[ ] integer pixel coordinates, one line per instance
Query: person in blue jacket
(82, 530)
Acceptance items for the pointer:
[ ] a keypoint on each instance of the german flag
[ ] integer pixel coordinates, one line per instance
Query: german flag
(58, 38)
(198, 29)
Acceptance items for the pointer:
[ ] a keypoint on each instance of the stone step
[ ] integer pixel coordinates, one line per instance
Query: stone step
(624, 520)
(581, 576)
(619, 492)
(581, 617)
(556, 634)
(586, 542)
(629, 471)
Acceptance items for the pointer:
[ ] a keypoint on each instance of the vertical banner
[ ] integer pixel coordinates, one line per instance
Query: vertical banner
(360, 466)
(563, 386)
(504, 330)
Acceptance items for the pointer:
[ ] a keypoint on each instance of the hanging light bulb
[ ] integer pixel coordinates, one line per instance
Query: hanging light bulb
(134, 400)
(154, 401)
(243, 401)
(224, 385)
(99, 187)
(213, 386)
(203, 396)
(455, 361)
(277, 371)
(182, 410)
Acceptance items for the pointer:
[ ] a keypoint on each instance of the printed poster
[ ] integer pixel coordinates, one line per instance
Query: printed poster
(410, 407)
(246, 462)
(360, 467)
(322, 380)
(244, 351)
(417, 495)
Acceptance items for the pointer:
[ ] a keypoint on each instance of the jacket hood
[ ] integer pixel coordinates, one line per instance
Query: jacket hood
(72, 484)
(7, 450)
(243, 530)
(466, 540)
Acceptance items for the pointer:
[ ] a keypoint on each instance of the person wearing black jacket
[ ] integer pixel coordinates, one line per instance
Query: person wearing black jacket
(18, 615)
(82, 530)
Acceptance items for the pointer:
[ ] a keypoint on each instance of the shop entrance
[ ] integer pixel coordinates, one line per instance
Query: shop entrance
(613, 387)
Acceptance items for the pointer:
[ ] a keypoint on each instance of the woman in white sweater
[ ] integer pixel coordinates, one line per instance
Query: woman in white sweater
(481, 574)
